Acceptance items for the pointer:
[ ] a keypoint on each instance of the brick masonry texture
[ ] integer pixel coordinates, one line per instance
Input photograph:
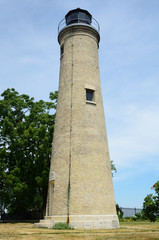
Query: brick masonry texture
(80, 157)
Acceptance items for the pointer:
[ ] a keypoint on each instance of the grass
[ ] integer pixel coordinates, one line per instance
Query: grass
(128, 230)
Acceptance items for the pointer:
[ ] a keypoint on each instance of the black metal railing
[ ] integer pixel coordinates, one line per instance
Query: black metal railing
(82, 21)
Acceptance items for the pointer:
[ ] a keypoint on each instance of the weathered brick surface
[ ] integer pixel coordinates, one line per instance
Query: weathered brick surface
(80, 148)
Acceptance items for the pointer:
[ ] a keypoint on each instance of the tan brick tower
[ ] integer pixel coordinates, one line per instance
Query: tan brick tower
(80, 182)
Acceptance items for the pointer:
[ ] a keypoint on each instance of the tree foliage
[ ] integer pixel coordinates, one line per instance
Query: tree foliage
(151, 204)
(26, 131)
(113, 168)
(119, 211)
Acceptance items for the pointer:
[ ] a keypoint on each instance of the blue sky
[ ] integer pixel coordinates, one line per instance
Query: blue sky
(129, 69)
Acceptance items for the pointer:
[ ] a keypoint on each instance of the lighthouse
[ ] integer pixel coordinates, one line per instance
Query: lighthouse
(80, 190)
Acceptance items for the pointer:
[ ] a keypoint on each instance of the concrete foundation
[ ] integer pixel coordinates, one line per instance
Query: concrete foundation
(82, 221)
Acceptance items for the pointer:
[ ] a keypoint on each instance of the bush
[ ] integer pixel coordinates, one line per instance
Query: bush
(119, 212)
(151, 204)
(62, 226)
(138, 217)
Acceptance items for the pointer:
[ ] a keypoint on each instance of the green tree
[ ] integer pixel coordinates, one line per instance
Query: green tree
(26, 131)
(156, 197)
(113, 168)
(119, 211)
(151, 204)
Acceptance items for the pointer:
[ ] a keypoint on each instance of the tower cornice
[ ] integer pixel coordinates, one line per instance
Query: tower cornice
(77, 29)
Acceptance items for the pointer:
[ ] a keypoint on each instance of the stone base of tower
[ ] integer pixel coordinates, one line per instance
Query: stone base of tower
(82, 221)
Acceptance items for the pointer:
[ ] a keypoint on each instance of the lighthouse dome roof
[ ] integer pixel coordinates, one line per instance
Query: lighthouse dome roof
(78, 15)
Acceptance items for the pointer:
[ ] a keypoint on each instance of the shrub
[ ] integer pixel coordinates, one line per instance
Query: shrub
(151, 204)
(138, 217)
(119, 212)
(62, 226)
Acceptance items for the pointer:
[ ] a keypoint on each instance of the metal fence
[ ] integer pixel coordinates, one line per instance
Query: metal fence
(36, 215)
(130, 212)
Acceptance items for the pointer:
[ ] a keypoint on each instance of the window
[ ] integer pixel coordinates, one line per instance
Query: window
(89, 95)
(62, 50)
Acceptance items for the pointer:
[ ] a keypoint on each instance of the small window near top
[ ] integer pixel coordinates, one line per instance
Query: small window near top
(62, 50)
(89, 95)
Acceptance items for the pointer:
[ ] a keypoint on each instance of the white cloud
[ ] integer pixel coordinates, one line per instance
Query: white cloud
(137, 137)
